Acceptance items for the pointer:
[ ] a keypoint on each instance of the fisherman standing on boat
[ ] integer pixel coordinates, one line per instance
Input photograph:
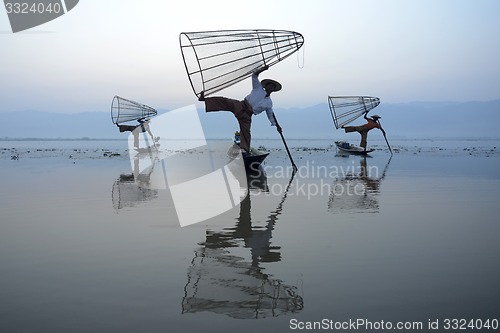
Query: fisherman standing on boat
(256, 102)
(142, 127)
(364, 129)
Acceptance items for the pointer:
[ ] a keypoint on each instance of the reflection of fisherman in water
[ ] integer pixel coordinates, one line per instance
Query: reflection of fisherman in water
(131, 189)
(143, 177)
(371, 184)
(357, 191)
(258, 240)
(220, 280)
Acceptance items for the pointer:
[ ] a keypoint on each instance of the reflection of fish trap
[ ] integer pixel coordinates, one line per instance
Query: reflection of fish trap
(124, 110)
(345, 109)
(126, 192)
(222, 283)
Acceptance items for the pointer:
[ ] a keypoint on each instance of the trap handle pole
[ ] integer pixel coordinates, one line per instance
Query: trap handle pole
(284, 142)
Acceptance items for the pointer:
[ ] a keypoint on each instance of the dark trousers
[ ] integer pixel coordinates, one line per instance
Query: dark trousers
(241, 110)
(361, 130)
(128, 128)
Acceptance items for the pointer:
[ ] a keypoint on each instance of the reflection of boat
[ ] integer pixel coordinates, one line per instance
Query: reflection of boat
(351, 149)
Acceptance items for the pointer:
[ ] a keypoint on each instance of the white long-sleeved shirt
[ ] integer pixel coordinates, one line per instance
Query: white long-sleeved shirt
(259, 101)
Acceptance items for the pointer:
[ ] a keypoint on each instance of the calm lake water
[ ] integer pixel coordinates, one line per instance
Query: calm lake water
(408, 238)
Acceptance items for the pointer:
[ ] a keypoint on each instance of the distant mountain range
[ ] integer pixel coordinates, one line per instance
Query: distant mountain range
(402, 120)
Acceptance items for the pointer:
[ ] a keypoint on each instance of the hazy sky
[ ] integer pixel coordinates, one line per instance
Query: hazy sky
(400, 51)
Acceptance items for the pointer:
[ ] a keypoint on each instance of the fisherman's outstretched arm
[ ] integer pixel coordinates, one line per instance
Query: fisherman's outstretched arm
(255, 77)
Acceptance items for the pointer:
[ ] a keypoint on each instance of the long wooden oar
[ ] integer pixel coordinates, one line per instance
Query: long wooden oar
(383, 132)
(387, 143)
(284, 142)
